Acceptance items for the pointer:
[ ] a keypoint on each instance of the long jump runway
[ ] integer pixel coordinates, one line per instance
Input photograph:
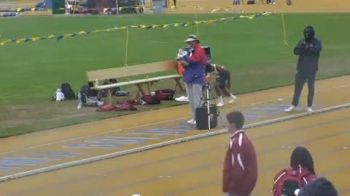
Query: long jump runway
(192, 168)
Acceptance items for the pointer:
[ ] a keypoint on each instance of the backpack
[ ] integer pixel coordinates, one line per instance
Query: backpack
(67, 91)
(165, 94)
(126, 106)
(88, 97)
(289, 181)
(149, 100)
(105, 108)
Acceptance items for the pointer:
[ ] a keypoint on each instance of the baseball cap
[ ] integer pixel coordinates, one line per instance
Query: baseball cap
(191, 38)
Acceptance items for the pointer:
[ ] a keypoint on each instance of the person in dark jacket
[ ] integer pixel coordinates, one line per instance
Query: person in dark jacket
(319, 187)
(240, 171)
(194, 74)
(308, 50)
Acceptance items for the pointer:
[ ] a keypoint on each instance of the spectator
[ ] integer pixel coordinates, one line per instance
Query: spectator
(181, 70)
(236, 2)
(308, 50)
(271, 1)
(222, 83)
(240, 168)
(289, 181)
(143, 2)
(193, 76)
(88, 96)
(319, 187)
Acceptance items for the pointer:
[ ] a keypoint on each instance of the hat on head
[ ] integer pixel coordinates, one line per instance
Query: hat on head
(192, 38)
(309, 33)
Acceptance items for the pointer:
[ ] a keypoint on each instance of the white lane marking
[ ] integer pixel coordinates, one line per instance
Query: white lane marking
(163, 144)
(94, 135)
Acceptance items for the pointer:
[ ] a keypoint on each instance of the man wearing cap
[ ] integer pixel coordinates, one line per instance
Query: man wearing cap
(308, 50)
(194, 74)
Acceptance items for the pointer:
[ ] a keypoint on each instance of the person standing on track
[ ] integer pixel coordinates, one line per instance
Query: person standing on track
(240, 167)
(308, 50)
(194, 63)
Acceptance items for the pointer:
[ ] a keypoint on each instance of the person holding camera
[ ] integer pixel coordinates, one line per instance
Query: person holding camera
(308, 50)
(194, 60)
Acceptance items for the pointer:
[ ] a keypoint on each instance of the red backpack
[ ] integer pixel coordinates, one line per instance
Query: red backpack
(149, 100)
(165, 94)
(126, 106)
(288, 181)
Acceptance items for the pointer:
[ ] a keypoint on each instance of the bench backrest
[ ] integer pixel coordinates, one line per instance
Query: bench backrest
(133, 70)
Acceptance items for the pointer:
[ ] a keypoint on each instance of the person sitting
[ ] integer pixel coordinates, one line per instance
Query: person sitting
(290, 181)
(222, 83)
(88, 96)
(181, 70)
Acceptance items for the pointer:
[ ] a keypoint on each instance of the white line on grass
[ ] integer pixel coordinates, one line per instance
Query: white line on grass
(163, 144)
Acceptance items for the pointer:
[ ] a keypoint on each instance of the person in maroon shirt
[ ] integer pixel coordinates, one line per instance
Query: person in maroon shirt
(240, 168)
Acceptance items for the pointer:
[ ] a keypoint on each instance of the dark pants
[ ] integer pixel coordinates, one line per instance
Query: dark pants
(222, 87)
(300, 79)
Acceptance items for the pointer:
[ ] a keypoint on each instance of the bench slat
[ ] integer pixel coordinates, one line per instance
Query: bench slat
(134, 70)
(108, 86)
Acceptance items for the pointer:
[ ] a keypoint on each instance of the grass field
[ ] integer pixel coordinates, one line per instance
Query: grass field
(252, 49)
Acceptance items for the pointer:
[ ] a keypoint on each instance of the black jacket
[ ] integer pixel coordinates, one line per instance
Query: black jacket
(309, 53)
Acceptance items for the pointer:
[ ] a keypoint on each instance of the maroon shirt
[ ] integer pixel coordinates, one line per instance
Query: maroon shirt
(240, 168)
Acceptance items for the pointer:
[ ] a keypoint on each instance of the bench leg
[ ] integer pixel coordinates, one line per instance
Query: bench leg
(139, 86)
(109, 96)
(149, 87)
(178, 84)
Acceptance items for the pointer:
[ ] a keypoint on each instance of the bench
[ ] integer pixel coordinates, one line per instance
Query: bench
(97, 77)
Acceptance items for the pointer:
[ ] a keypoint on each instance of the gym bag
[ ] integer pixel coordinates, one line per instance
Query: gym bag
(165, 94)
(290, 181)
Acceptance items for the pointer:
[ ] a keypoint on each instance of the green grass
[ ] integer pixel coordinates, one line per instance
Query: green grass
(252, 49)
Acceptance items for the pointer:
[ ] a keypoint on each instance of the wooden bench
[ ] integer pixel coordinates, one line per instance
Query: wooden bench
(97, 77)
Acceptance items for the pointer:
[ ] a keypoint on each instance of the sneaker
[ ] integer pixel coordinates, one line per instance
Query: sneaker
(100, 103)
(290, 109)
(232, 99)
(182, 99)
(185, 99)
(192, 122)
(309, 109)
(220, 104)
